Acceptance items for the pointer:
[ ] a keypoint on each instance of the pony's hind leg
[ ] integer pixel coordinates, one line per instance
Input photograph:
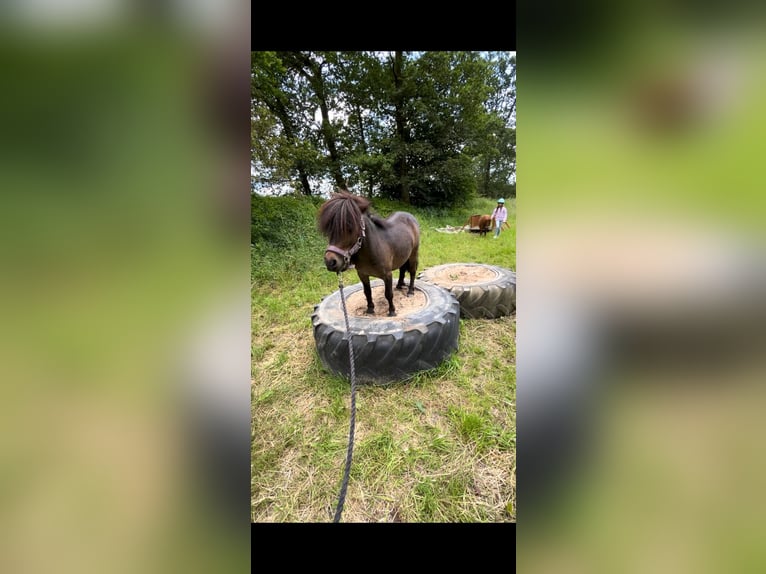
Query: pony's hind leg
(412, 263)
(388, 280)
(402, 272)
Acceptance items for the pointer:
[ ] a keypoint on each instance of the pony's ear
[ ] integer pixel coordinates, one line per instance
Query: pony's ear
(362, 202)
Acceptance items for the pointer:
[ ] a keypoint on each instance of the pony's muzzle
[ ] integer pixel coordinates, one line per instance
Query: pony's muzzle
(336, 259)
(333, 262)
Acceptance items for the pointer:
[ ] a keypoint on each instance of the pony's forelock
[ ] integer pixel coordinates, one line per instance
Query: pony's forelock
(340, 217)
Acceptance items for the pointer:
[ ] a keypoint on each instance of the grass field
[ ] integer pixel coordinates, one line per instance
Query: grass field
(437, 448)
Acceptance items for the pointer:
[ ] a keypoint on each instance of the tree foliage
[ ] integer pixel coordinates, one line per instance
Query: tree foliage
(427, 128)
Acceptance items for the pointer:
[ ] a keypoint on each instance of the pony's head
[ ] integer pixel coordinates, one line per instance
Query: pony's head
(341, 220)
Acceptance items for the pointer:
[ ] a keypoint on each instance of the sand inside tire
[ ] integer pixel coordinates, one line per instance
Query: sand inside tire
(463, 274)
(356, 303)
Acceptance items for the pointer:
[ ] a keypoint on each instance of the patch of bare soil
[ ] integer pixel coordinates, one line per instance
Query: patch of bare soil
(461, 275)
(356, 303)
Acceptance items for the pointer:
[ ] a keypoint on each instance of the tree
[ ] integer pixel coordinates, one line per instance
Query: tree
(402, 90)
(362, 84)
(312, 66)
(276, 103)
(496, 154)
(438, 107)
(429, 128)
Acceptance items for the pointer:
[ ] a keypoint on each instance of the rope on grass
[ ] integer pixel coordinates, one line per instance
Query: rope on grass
(350, 451)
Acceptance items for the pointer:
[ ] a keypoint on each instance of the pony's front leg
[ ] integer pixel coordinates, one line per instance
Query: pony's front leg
(365, 279)
(388, 280)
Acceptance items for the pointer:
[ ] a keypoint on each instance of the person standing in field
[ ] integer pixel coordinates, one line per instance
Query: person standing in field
(499, 216)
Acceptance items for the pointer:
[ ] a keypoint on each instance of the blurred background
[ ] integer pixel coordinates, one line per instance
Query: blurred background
(641, 316)
(124, 290)
(124, 152)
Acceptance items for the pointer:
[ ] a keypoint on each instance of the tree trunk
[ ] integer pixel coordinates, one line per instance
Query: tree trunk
(280, 111)
(327, 133)
(401, 131)
(357, 115)
(305, 186)
(312, 71)
(487, 167)
(363, 141)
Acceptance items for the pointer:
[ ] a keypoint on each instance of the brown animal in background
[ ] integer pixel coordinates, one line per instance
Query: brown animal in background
(485, 224)
(375, 246)
(480, 223)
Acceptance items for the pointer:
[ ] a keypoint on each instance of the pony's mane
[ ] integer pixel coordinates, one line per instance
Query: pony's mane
(340, 217)
(379, 221)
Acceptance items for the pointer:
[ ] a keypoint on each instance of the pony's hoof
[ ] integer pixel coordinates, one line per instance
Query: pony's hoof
(392, 313)
(410, 293)
(370, 311)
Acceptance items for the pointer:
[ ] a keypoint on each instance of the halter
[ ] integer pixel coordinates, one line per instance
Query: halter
(347, 255)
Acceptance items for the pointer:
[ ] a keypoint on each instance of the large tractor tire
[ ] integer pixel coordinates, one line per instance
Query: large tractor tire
(484, 291)
(387, 349)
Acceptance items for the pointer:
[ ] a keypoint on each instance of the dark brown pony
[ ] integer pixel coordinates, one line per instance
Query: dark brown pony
(375, 246)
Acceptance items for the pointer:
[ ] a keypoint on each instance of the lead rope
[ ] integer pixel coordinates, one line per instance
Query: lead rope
(346, 474)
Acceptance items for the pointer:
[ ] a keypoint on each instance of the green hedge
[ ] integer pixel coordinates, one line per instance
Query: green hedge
(283, 222)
